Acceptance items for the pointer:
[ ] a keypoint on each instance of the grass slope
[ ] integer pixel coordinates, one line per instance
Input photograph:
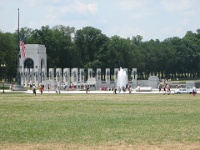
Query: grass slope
(99, 119)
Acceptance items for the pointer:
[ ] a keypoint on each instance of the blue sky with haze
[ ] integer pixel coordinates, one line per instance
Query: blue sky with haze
(152, 19)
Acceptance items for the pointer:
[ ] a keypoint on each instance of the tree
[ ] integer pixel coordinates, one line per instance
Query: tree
(88, 42)
(8, 53)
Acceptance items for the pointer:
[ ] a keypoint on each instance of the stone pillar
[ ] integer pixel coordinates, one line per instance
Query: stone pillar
(134, 77)
(81, 75)
(43, 74)
(28, 76)
(115, 75)
(59, 75)
(66, 76)
(21, 73)
(31, 76)
(99, 74)
(51, 73)
(74, 75)
(90, 73)
(25, 75)
(36, 74)
(108, 76)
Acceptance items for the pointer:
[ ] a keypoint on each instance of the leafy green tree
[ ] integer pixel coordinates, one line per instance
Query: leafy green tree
(8, 53)
(88, 42)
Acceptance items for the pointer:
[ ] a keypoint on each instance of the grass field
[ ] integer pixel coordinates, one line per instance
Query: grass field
(99, 121)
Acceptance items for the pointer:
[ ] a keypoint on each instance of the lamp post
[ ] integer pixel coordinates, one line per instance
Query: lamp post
(3, 66)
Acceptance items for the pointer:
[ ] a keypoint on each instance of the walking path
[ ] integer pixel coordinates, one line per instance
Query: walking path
(154, 91)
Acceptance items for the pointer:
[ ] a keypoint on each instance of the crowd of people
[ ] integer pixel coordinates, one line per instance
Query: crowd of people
(116, 89)
(165, 87)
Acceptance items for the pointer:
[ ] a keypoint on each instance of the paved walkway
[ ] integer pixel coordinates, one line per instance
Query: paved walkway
(154, 91)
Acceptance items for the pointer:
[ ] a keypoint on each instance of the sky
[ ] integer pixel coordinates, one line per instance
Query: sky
(152, 19)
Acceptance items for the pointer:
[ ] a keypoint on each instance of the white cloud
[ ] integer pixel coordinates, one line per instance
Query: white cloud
(74, 7)
(177, 5)
(32, 2)
(127, 5)
(84, 8)
(152, 19)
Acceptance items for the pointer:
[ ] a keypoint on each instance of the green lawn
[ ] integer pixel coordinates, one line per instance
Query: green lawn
(96, 119)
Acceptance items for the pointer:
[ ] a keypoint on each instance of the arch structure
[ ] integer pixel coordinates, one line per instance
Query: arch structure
(33, 68)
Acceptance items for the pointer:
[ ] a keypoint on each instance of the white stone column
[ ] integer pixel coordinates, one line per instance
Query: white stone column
(134, 77)
(66, 75)
(25, 75)
(99, 74)
(108, 76)
(31, 76)
(51, 73)
(74, 75)
(28, 76)
(58, 75)
(90, 73)
(81, 75)
(115, 75)
(43, 74)
(36, 74)
(21, 73)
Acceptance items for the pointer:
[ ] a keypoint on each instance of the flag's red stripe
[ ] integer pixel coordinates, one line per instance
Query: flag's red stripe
(22, 47)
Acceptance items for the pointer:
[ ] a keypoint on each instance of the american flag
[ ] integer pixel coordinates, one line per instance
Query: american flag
(22, 48)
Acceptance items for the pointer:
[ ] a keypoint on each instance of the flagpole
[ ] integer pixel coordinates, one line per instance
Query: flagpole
(18, 86)
(18, 56)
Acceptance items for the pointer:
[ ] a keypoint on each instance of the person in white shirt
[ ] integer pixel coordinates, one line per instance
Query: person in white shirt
(194, 91)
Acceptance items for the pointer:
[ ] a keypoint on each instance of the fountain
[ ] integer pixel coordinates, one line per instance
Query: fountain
(122, 78)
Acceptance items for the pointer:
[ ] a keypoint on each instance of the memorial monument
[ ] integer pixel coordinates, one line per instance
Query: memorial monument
(34, 71)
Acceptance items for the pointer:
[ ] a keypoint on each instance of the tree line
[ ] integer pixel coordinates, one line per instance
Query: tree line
(89, 48)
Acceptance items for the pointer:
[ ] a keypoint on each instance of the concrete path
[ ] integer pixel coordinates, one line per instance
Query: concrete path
(154, 91)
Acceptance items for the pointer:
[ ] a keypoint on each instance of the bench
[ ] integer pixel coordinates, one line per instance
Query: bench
(144, 89)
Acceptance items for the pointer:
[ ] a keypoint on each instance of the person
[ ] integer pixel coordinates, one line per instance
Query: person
(41, 88)
(34, 90)
(194, 91)
(119, 89)
(129, 89)
(164, 88)
(12, 87)
(56, 89)
(138, 89)
(159, 87)
(123, 89)
(115, 90)
(168, 89)
(48, 87)
(31, 86)
(86, 88)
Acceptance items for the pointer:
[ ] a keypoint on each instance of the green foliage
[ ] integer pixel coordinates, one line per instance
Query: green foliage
(90, 48)
(8, 54)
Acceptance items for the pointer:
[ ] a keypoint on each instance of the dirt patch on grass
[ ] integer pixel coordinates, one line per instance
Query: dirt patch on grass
(120, 146)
